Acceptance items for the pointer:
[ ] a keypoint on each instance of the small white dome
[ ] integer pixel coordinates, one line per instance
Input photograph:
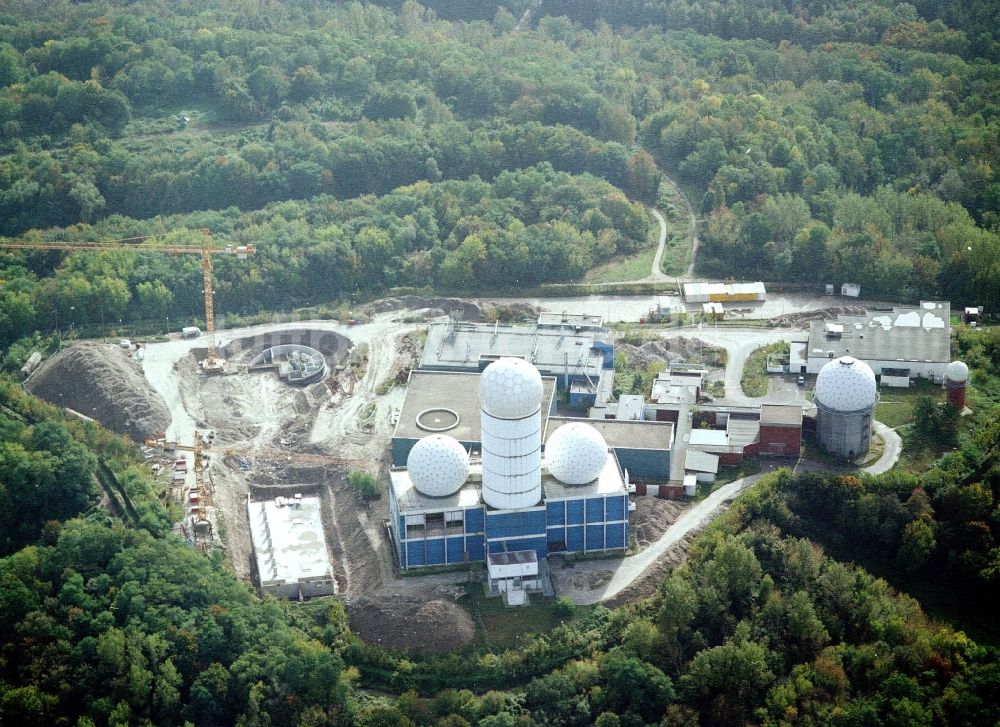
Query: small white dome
(438, 465)
(576, 453)
(957, 371)
(846, 384)
(510, 388)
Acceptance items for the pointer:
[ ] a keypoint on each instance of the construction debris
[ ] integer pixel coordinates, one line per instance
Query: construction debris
(795, 320)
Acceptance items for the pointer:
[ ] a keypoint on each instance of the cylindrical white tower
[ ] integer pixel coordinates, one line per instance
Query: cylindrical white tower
(845, 397)
(510, 395)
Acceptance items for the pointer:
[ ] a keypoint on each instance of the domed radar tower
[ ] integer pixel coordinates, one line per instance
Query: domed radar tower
(845, 398)
(438, 465)
(510, 394)
(576, 453)
(956, 379)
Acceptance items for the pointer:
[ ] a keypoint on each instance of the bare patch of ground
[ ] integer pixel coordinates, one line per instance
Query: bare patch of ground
(411, 624)
(651, 519)
(103, 382)
(669, 350)
(461, 308)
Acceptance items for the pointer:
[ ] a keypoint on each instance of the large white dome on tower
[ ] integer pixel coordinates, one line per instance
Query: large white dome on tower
(438, 465)
(576, 453)
(957, 371)
(510, 388)
(846, 384)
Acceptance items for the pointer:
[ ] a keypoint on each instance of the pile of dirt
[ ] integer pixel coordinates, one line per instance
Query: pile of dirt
(103, 382)
(408, 349)
(652, 517)
(668, 350)
(792, 320)
(410, 624)
(459, 308)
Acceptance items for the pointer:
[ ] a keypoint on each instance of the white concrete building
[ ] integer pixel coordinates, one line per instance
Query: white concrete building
(289, 547)
(513, 574)
(912, 341)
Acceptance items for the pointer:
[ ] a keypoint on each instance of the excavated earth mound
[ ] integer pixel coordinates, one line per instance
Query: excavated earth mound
(411, 624)
(652, 517)
(102, 382)
(460, 308)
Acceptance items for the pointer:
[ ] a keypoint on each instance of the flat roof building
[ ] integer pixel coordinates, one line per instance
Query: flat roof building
(643, 448)
(913, 338)
(723, 292)
(290, 548)
(447, 402)
(573, 321)
(520, 491)
(570, 352)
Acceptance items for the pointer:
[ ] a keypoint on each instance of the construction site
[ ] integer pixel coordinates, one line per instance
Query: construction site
(254, 432)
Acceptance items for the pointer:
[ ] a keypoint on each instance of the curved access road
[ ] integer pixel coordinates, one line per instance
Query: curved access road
(656, 275)
(891, 452)
(625, 571)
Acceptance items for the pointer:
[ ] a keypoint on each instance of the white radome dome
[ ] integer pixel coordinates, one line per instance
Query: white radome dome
(510, 388)
(576, 453)
(438, 465)
(957, 371)
(846, 384)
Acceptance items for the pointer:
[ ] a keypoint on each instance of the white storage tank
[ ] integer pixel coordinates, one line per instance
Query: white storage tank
(845, 397)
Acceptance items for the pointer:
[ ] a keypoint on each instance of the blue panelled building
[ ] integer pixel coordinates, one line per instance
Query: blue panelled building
(461, 528)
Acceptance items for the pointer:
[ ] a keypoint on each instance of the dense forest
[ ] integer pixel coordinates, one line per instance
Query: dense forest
(369, 146)
(819, 142)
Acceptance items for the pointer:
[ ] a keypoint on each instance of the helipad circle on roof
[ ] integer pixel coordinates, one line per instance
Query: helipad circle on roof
(846, 384)
(957, 371)
(510, 388)
(438, 419)
(576, 453)
(438, 465)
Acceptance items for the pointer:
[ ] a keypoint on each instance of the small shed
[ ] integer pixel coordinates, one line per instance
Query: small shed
(513, 574)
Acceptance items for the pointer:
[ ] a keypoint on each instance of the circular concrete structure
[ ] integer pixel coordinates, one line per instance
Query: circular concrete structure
(438, 419)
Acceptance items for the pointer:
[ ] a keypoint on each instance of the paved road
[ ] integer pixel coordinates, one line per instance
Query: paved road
(657, 275)
(890, 455)
(739, 343)
(629, 569)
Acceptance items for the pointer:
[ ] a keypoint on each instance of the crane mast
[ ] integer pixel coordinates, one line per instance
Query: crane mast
(212, 362)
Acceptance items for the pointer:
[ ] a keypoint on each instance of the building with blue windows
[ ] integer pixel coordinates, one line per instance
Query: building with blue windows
(510, 494)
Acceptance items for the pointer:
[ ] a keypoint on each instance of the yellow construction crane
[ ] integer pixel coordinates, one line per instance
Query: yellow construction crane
(212, 362)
